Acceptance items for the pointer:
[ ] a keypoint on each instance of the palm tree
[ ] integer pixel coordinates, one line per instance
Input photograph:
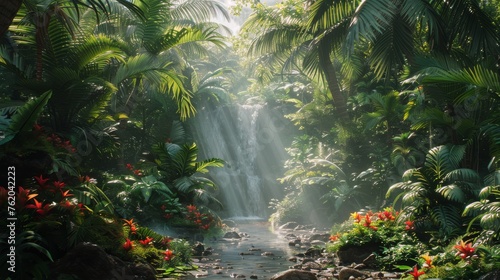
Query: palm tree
(158, 47)
(310, 42)
(9, 8)
(400, 30)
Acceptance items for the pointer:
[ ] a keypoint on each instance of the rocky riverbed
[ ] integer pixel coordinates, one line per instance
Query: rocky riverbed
(252, 250)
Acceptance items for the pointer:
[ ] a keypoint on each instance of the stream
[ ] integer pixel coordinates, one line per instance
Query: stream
(259, 254)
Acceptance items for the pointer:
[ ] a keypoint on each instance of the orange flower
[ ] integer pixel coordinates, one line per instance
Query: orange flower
(24, 196)
(356, 216)
(66, 194)
(334, 237)
(428, 261)
(128, 245)
(131, 224)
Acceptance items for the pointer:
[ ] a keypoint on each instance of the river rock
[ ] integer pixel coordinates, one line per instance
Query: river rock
(346, 273)
(313, 252)
(294, 274)
(289, 225)
(311, 265)
(325, 237)
(198, 249)
(232, 235)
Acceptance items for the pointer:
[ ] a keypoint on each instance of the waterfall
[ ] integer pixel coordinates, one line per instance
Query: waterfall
(248, 139)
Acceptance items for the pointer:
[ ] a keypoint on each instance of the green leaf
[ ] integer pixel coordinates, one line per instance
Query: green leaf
(26, 116)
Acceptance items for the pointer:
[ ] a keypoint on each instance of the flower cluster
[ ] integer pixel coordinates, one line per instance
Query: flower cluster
(130, 167)
(367, 220)
(203, 221)
(56, 141)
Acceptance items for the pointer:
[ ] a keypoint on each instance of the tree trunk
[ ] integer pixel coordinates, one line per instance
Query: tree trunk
(8, 10)
(326, 65)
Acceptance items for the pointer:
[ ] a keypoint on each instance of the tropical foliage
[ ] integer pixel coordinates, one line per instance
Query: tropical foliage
(393, 103)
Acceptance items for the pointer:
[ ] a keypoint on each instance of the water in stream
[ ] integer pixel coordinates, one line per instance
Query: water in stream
(244, 257)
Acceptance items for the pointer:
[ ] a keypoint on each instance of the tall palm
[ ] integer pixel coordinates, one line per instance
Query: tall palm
(310, 42)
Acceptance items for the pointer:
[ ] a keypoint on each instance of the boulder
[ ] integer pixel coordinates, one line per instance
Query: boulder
(356, 254)
(198, 249)
(89, 261)
(294, 274)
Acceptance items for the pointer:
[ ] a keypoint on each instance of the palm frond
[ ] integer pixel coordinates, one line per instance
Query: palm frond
(25, 116)
(370, 19)
(324, 14)
(199, 10)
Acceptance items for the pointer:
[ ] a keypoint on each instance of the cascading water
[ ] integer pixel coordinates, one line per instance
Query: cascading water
(247, 138)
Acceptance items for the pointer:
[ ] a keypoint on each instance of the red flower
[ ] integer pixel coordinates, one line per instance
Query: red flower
(128, 245)
(82, 207)
(41, 209)
(205, 227)
(386, 215)
(41, 181)
(368, 222)
(37, 127)
(168, 255)
(24, 196)
(168, 216)
(137, 172)
(67, 204)
(59, 185)
(409, 225)
(464, 250)
(166, 240)
(129, 166)
(146, 241)
(191, 208)
(415, 273)
(83, 179)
